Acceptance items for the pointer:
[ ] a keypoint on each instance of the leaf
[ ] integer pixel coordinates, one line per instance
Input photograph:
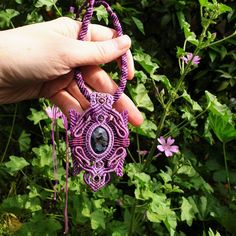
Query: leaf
(15, 164)
(24, 141)
(189, 35)
(147, 128)
(224, 130)
(163, 79)
(20, 202)
(102, 14)
(97, 219)
(187, 212)
(47, 3)
(145, 61)
(139, 24)
(37, 116)
(140, 96)
(211, 233)
(217, 108)
(195, 105)
(141, 76)
(203, 3)
(43, 156)
(224, 8)
(39, 225)
(6, 16)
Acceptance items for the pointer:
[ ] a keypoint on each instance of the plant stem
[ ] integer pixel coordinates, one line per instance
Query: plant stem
(10, 135)
(131, 156)
(138, 147)
(226, 167)
(222, 40)
(132, 219)
(56, 8)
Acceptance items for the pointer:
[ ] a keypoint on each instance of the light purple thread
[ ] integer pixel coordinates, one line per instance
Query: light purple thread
(100, 116)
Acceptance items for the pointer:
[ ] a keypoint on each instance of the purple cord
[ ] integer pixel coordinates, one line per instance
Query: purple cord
(84, 29)
(99, 137)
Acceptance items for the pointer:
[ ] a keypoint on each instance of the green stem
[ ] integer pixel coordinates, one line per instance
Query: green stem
(183, 124)
(222, 40)
(138, 147)
(132, 219)
(226, 166)
(131, 156)
(56, 8)
(10, 135)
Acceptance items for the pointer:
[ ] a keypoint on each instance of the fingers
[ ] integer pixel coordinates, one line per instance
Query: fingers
(79, 53)
(96, 33)
(98, 79)
(65, 101)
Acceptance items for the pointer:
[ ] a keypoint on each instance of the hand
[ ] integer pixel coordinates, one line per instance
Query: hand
(38, 61)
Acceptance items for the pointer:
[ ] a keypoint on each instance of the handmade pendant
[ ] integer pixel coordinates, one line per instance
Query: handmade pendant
(98, 141)
(100, 135)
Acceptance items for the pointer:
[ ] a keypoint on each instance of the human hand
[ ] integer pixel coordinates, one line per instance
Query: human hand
(39, 61)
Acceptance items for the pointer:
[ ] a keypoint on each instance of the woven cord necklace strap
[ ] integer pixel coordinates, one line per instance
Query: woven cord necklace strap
(84, 29)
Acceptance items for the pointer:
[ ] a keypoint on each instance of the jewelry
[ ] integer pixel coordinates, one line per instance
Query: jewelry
(99, 136)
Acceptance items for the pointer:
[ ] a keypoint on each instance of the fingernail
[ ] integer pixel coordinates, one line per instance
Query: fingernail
(123, 42)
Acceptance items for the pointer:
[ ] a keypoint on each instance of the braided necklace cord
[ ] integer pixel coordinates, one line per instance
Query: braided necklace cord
(99, 136)
(89, 5)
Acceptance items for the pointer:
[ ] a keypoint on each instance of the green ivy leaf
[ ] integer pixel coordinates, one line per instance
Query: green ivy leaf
(15, 164)
(187, 212)
(47, 3)
(24, 141)
(224, 8)
(40, 225)
(97, 219)
(147, 128)
(163, 79)
(224, 130)
(189, 35)
(145, 61)
(43, 156)
(139, 24)
(141, 76)
(20, 202)
(6, 16)
(37, 116)
(195, 105)
(217, 108)
(140, 96)
(102, 14)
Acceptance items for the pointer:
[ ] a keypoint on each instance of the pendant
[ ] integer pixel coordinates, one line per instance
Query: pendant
(98, 140)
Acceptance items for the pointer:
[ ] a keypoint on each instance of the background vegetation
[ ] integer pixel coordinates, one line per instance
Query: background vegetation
(191, 193)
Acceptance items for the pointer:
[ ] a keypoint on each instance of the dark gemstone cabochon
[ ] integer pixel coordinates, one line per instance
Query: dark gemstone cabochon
(99, 140)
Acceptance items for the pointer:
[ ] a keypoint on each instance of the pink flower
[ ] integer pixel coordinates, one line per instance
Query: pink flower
(189, 57)
(167, 147)
(142, 152)
(64, 121)
(72, 10)
(53, 112)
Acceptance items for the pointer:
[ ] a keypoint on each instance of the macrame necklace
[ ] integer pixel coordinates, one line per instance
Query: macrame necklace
(99, 136)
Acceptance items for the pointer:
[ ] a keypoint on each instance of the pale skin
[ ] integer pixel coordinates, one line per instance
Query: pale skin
(39, 60)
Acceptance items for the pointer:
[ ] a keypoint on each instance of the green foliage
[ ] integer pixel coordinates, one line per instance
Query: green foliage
(190, 193)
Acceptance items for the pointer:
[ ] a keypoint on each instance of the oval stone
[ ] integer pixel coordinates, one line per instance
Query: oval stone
(99, 140)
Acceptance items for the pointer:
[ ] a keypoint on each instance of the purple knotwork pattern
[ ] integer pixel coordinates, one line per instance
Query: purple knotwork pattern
(99, 138)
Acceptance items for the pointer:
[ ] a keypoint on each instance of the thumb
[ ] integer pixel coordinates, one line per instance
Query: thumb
(80, 53)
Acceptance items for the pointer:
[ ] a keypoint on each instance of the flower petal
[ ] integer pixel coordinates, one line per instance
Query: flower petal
(161, 140)
(170, 141)
(49, 112)
(168, 153)
(160, 148)
(174, 148)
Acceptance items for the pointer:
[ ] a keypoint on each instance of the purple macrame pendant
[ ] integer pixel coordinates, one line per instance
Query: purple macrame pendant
(99, 138)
